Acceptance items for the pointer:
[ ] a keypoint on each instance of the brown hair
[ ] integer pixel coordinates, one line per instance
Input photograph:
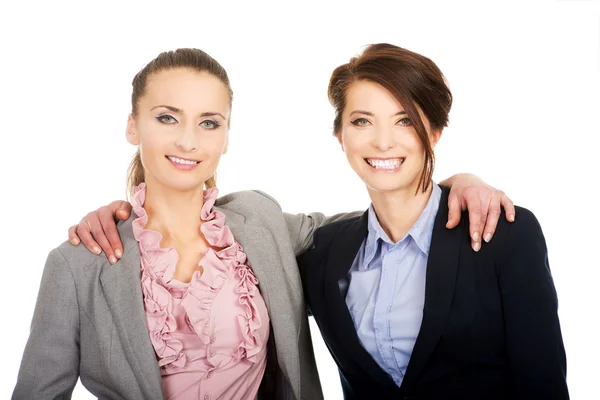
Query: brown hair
(194, 59)
(410, 77)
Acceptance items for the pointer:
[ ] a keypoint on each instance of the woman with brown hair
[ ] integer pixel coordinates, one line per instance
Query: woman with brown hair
(205, 300)
(405, 307)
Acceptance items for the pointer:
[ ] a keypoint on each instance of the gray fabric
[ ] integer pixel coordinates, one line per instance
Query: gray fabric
(89, 319)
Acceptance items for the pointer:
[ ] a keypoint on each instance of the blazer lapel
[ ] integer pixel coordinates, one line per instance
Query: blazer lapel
(122, 287)
(442, 267)
(281, 291)
(344, 249)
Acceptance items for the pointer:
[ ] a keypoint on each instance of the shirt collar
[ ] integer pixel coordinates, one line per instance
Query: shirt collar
(420, 232)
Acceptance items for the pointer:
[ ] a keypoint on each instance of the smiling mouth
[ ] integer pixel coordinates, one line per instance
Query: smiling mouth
(182, 161)
(386, 165)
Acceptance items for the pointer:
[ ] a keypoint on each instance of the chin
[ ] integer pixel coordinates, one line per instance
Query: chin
(183, 185)
(394, 184)
(386, 188)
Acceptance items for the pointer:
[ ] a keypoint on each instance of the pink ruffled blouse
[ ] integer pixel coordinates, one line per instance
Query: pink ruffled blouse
(210, 334)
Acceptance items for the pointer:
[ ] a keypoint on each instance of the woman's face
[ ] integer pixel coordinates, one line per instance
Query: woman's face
(380, 141)
(181, 128)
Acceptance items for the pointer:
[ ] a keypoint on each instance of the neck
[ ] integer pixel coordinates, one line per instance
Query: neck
(398, 211)
(173, 213)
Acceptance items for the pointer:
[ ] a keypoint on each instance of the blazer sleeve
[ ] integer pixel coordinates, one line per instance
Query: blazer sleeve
(533, 337)
(50, 365)
(302, 227)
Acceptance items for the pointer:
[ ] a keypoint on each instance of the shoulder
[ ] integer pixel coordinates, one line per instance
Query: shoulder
(521, 238)
(525, 223)
(342, 230)
(525, 220)
(509, 237)
(67, 263)
(337, 227)
(255, 205)
(73, 256)
(246, 199)
(525, 227)
(82, 262)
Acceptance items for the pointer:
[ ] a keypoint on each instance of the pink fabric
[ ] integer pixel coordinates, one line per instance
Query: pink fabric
(210, 334)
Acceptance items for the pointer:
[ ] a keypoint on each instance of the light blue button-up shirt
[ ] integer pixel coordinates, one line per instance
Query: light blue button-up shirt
(385, 289)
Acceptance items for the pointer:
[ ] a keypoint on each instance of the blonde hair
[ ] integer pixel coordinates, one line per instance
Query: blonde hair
(195, 59)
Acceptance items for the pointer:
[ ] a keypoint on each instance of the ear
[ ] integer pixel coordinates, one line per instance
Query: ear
(131, 131)
(339, 138)
(435, 137)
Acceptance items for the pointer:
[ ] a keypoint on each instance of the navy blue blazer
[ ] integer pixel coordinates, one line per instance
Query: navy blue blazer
(490, 327)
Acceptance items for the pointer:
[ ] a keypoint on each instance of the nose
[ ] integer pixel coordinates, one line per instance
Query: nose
(383, 138)
(186, 140)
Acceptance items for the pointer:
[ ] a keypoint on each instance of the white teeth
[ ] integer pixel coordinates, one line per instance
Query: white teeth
(385, 164)
(182, 161)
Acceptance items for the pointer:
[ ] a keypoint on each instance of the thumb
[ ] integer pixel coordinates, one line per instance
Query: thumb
(124, 210)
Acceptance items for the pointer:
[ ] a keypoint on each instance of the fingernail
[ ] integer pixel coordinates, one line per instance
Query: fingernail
(488, 237)
(112, 259)
(74, 242)
(512, 217)
(118, 253)
(97, 250)
(475, 236)
(477, 246)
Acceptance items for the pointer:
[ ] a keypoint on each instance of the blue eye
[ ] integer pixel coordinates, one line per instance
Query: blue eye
(166, 119)
(360, 122)
(208, 124)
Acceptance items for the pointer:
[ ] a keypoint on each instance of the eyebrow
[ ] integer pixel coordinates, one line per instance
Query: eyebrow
(177, 110)
(371, 114)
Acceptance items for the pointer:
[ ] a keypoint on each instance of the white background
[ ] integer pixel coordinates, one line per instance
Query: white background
(526, 81)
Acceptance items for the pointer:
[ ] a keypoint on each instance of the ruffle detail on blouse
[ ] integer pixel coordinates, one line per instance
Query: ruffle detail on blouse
(158, 268)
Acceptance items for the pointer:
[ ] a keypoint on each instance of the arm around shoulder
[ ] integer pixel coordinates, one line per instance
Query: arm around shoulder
(302, 227)
(533, 337)
(50, 365)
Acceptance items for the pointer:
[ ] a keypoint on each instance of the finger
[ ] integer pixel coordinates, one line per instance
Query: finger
(120, 209)
(509, 208)
(454, 211)
(475, 216)
(73, 238)
(105, 216)
(99, 235)
(493, 216)
(475, 245)
(84, 233)
(124, 210)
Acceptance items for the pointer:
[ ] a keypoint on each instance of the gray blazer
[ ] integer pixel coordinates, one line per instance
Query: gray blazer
(89, 319)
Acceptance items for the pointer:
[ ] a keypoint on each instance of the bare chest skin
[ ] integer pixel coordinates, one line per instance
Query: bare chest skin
(190, 256)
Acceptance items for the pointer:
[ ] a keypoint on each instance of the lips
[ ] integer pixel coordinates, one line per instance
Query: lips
(182, 161)
(385, 164)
